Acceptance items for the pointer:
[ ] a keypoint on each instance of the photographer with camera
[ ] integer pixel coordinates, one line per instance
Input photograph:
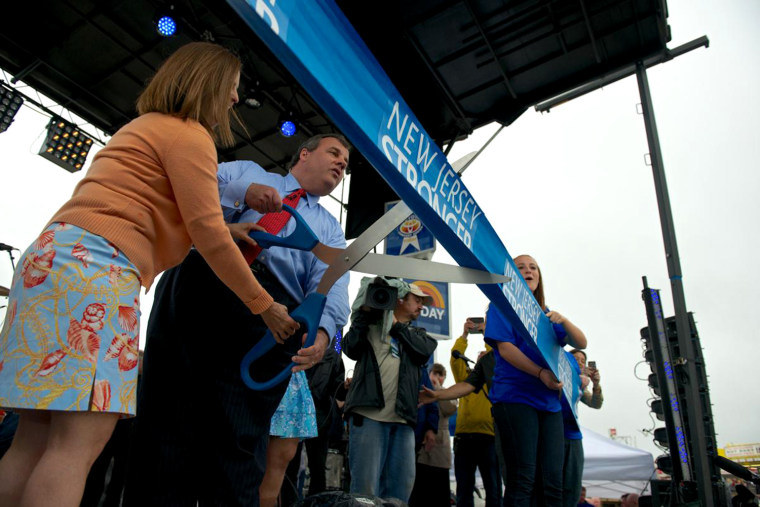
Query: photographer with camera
(382, 400)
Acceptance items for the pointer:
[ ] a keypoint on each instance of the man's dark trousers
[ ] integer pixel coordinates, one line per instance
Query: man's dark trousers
(201, 435)
(471, 451)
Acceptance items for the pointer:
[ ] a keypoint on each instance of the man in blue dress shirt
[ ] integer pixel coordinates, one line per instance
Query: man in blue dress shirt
(201, 435)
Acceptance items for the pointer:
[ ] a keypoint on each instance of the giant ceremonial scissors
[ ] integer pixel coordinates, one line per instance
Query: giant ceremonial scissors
(356, 257)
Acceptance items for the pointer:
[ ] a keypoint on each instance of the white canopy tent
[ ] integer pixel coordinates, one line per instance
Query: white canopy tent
(612, 468)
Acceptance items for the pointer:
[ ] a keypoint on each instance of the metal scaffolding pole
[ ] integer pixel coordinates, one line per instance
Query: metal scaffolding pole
(695, 412)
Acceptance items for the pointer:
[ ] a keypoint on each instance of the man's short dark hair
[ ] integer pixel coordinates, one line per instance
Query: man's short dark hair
(312, 143)
(574, 351)
(438, 368)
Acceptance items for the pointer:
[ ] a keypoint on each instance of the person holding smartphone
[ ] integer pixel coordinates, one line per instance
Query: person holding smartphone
(572, 471)
(593, 399)
(474, 446)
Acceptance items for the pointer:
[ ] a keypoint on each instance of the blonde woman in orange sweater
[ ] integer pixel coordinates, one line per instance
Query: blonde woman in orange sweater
(68, 349)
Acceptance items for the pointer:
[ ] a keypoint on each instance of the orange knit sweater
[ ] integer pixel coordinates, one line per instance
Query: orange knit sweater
(152, 192)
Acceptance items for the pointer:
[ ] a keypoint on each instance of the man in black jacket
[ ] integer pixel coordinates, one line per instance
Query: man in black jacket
(382, 401)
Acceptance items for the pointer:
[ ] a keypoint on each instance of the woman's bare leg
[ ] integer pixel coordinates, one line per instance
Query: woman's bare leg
(25, 451)
(279, 453)
(75, 439)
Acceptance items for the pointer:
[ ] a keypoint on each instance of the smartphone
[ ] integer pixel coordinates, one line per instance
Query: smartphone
(592, 364)
(478, 327)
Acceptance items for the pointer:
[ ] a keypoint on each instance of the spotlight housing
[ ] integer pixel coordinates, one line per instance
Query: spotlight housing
(65, 145)
(10, 103)
(166, 26)
(253, 102)
(661, 436)
(287, 124)
(254, 98)
(165, 22)
(665, 463)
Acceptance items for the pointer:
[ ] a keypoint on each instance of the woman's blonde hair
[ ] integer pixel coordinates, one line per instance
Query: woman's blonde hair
(195, 82)
(539, 292)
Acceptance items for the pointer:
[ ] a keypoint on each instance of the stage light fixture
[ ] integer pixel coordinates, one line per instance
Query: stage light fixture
(657, 409)
(253, 102)
(254, 98)
(10, 103)
(166, 26)
(661, 436)
(652, 381)
(665, 464)
(287, 125)
(65, 145)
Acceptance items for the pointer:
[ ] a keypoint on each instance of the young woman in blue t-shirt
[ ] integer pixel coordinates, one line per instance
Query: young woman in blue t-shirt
(526, 400)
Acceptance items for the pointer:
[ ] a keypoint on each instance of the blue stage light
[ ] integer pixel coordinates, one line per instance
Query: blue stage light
(166, 26)
(287, 128)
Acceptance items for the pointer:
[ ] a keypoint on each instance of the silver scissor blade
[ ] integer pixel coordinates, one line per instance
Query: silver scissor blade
(327, 254)
(418, 269)
(362, 245)
(407, 267)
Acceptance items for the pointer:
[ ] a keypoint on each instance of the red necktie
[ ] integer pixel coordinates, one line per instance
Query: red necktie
(273, 223)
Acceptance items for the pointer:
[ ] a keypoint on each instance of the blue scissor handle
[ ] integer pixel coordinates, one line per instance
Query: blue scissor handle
(308, 312)
(302, 238)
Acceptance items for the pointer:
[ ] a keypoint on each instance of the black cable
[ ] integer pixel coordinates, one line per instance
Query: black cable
(635, 367)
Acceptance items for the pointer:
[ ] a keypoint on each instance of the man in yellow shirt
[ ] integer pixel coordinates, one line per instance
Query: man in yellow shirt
(474, 438)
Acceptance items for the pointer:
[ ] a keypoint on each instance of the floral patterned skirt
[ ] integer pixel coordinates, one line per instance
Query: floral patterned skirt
(296, 416)
(70, 337)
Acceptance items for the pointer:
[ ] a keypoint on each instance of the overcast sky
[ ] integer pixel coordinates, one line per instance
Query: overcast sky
(572, 189)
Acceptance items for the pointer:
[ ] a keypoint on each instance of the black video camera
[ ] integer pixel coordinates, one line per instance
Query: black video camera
(380, 295)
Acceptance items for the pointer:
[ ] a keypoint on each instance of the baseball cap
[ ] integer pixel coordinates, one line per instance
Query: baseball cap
(426, 299)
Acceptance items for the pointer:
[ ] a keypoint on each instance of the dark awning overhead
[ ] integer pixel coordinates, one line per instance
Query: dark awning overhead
(459, 64)
(95, 57)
